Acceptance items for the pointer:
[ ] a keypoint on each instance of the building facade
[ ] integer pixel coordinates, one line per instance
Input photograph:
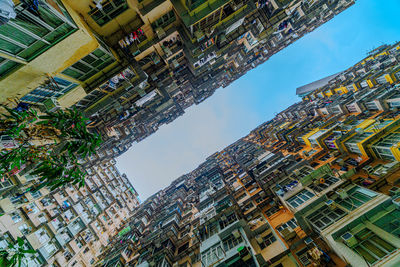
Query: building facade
(318, 185)
(70, 226)
(131, 65)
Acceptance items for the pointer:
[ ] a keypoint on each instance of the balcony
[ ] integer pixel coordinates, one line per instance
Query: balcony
(48, 250)
(258, 225)
(222, 204)
(209, 242)
(229, 226)
(207, 215)
(76, 226)
(145, 8)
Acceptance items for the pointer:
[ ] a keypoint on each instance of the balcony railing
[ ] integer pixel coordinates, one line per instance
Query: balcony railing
(149, 6)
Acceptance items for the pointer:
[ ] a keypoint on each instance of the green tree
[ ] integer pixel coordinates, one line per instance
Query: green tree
(15, 254)
(52, 143)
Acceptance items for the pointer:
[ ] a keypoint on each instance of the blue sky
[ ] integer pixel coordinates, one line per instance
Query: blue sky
(232, 112)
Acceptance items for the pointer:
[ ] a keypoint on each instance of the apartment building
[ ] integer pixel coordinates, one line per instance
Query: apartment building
(70, 226)
(318, 185)
(132, 66)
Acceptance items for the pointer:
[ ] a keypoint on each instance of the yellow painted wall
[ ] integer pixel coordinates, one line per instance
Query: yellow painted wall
(366, 123)
(72, 97)
(395, 151)
(156, 13)
(389, 78)
(393, 75)
(82, 7)
(341, 90)
(370, 83)
(328, 93)
(305, 137)
(55, 59)
(361, 147)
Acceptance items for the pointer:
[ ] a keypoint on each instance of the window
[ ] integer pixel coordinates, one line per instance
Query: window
(357, 197)
(291, 223)
(110, 10)
(371, 247)
(5, 182)
(382, 148)
(5, 240)
(390, 222)
(86, 250)
(329, 180)
(211, 255)
(303, 256)
(183, 247)
(267, 240)
(208, 21)
(7, 66)
(351, 108)
(211, 230)
(42, 218)
(381, 80)
(300, 198)
(325, 216)
(227, 220)
(231, 242)
(371, 106)
(241, 197)
(55, 87)
(394, 104)
(42, 236)
(24, 229)
(351, 144)
(165, 20)
(27, 36)
(31, 208)
(36, 194)
(90, 64)
(271, 211)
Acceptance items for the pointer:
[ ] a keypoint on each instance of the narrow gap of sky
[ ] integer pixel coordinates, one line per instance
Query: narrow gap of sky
(179, 147)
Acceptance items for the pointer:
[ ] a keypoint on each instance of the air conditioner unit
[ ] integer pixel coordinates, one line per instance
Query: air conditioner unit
(349, 239)
(199, 35)
(331, 204)
(175, 63)
(160, 32)
(288, 233)
(368, 169)
(236, 233)
(396, 201)
(308, 241)
(7, 11)
(394, 191)
(342, 193)
(51, 104)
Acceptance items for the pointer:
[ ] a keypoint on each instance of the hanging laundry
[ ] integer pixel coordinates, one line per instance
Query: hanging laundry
(121, 43)
(127, 41)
